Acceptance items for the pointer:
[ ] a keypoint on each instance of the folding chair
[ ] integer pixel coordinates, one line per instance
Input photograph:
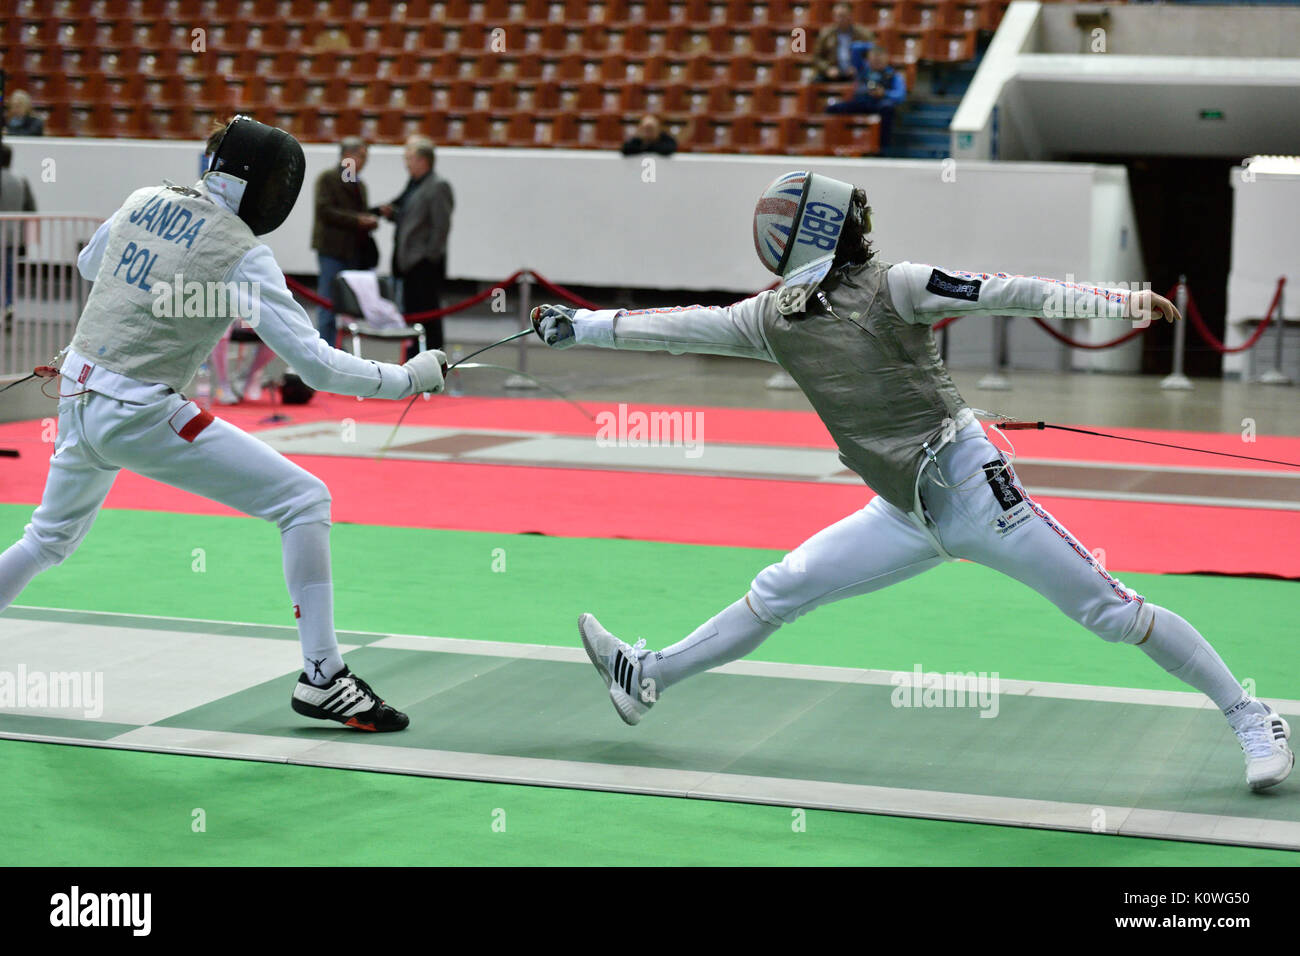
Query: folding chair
(349, 317)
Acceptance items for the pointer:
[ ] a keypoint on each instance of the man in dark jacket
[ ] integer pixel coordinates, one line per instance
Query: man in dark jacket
(15, 196)
(423, 216)
(341, 231)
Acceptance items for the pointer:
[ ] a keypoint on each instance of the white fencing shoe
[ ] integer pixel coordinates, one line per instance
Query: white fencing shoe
(1264, 741)
(619, 666)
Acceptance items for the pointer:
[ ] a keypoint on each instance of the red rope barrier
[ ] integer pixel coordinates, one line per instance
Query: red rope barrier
(464, 303)
(944, 323)
(564, 293)
(1212, 340)
(1087, 345)
(310, 296)
(297, 288)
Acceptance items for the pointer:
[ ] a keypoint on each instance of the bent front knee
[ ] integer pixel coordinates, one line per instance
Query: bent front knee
(1120, 624)
(309, 502)
(48, 550)
(775, 594)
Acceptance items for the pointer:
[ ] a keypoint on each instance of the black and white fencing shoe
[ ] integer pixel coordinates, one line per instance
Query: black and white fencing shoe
(349, 700)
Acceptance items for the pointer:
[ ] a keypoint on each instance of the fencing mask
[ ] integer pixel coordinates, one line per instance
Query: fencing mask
(259, 170)
(797, 226)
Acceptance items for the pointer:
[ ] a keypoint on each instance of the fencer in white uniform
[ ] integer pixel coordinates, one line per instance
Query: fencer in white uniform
(855, 335)
(160, 265)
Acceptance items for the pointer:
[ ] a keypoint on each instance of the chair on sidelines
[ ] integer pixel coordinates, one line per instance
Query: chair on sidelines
(351, 317)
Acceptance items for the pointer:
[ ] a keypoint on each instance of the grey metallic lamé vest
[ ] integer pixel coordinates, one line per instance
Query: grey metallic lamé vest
(876, 380)
(160, 233)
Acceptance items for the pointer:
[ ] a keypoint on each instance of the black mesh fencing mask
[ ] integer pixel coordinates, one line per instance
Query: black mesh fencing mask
(260, 169)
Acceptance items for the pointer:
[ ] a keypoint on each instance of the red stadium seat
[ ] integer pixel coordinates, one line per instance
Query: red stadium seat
(380, 65)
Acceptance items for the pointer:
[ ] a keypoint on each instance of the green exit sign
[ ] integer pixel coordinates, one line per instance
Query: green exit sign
(1212, 114)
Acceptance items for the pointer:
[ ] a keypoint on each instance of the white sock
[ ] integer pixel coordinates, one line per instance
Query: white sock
(17, 568)
(1179, 648)
(311, 588)
(727, 636)
(1240, 712)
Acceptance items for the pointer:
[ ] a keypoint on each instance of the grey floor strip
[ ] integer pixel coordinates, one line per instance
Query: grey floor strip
(1063, 756)
(575, 655)
(739, 788)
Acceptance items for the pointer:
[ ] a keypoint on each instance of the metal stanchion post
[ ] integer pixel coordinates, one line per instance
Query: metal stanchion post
(1176, 380)
(995, 381)
(525, 317)
(1275, 375)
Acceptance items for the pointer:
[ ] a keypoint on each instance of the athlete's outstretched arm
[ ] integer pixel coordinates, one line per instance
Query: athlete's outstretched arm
(714, 330)
(282, 324)
(924, 294)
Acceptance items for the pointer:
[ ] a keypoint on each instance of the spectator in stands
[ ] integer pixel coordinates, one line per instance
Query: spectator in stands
(879, 90)
(20, 120)
(422, 214)
(650, 137)
(833, 52)
(341, 230)
(15, 196)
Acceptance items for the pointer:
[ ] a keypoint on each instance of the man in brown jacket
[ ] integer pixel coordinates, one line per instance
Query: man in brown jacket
(832, 53)
(341, 231)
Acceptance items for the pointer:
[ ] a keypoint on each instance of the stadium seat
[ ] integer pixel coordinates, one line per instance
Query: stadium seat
(952, 45)
(613, 68)
(469, 129)
(861, 138)
(380, 66)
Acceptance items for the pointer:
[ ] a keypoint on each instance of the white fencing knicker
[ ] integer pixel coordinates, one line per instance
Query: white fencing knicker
(988, 517)
(108, 422)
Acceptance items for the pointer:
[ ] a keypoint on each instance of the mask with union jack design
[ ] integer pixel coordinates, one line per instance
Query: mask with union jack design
(798, 222)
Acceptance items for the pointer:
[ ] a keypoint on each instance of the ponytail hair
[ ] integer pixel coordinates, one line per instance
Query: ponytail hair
(854, 247)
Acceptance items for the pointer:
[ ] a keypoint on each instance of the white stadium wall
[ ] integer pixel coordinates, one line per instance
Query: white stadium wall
(588, 218)
(1265, 245)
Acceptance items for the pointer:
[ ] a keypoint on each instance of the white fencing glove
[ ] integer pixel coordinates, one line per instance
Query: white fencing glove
(427, 370)
(554, 325)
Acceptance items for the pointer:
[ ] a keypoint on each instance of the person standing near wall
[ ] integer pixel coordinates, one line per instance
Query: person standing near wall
(341, 227)
(422, 214)
(15, 196)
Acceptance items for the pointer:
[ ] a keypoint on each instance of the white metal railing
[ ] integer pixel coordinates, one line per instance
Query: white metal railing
(41, 290)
